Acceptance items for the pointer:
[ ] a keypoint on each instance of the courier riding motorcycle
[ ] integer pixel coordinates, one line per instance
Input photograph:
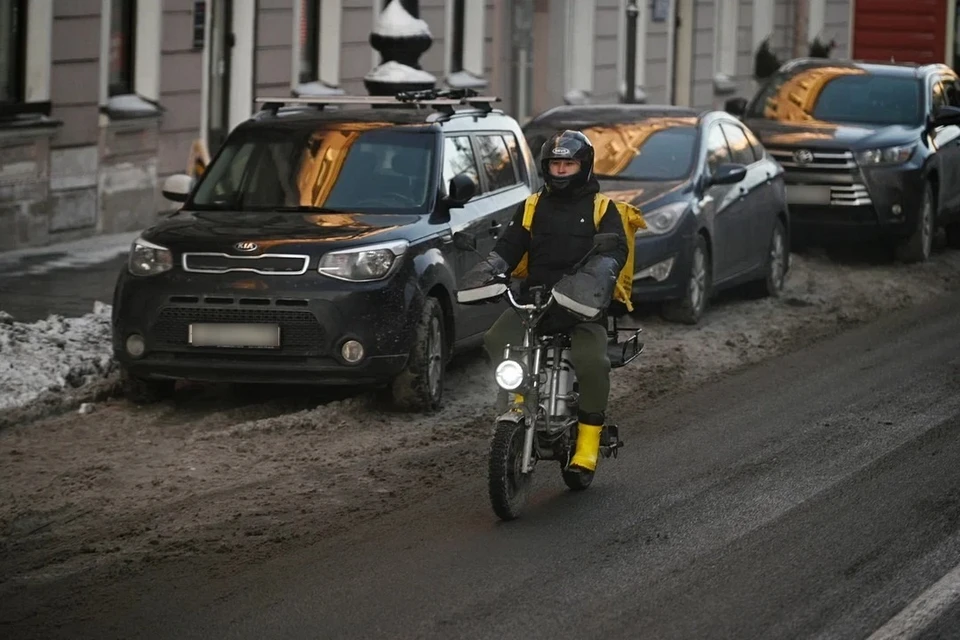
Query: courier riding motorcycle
(540, 422)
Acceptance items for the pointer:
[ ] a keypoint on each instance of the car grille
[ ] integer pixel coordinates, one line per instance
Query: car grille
(299, 330)
(835, 169)
(266, 264)
(815, 161)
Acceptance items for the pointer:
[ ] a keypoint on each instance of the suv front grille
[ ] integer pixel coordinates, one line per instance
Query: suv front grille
(814, 160)
(299, 330)
(267, 264)
(835, 171)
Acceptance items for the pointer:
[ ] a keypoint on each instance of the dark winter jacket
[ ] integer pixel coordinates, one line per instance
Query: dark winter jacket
(561, 234)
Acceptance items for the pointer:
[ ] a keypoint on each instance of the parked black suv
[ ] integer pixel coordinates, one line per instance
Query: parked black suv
(866, 148)
(318, 248)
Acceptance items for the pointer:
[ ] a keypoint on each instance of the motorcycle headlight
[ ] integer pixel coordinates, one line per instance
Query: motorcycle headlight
(663, 219)
(148, 259)
(363, 264)
(510, 375)
(886, 156)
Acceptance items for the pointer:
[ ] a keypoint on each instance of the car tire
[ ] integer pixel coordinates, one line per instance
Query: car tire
(918, 246)
(419, 387)
(696, 295)
(143, 391)
(777, 264)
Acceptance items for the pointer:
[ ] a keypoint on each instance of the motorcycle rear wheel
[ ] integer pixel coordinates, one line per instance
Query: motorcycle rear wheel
(509, 488)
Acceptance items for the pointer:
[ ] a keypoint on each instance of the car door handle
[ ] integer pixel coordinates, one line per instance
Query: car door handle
(495, 227)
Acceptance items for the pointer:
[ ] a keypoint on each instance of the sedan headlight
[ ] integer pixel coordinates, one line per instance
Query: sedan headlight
(363, 264)
(886, 156)
(148, 259)
(663, 219)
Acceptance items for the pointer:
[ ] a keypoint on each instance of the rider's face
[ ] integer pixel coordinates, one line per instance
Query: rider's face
(561, 168)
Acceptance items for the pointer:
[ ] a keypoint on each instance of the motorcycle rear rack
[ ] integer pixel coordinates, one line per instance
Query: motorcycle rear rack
(623, 353)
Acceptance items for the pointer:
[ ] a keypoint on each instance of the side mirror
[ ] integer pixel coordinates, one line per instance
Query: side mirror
(465, 241)
(463, 187)
(728, 173)
(604, 242)
(735, 106)
(177, 187)
(943, 117)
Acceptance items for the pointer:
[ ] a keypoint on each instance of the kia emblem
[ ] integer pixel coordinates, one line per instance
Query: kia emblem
(246, 246)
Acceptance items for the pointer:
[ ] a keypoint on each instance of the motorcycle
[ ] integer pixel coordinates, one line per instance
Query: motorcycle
(541, 421)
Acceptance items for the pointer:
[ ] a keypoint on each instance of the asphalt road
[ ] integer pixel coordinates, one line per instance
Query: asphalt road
(813, 496)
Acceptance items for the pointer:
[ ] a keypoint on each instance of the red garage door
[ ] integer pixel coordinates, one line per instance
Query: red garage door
(906, 30)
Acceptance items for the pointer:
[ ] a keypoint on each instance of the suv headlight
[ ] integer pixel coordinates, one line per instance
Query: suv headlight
(363, 264)
(148, 259)
(886, 156)
(662, 219)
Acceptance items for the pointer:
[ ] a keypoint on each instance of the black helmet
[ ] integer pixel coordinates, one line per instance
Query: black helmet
(567, 145)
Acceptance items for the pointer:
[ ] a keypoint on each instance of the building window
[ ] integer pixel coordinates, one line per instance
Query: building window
(13, 27)
(309, 40)
(123, 21)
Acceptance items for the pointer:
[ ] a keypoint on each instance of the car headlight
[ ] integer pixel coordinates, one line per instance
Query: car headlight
(363, 264)
(663, 219)
(148, 259)
(510, 375)
(886, 156)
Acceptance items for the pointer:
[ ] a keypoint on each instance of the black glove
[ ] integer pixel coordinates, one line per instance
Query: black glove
(588, 292)
(484, 282)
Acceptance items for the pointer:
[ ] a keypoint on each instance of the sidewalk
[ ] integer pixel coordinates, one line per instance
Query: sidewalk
(64, 279)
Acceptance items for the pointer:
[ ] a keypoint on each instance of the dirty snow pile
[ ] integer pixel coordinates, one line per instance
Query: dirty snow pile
(54, 354)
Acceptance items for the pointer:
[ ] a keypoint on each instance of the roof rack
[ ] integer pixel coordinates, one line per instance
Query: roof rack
(441, 100)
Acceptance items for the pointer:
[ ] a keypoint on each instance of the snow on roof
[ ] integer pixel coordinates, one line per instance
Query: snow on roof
(396, 22)
(396, 72)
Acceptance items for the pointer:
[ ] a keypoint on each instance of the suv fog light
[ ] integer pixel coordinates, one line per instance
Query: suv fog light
(136, 345)
(896, 209)
(509, 375)
(352, 351)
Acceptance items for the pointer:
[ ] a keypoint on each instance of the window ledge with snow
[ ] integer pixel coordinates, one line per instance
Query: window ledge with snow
(465, 80)
(316, 89)
(28, 124)
(131, 107)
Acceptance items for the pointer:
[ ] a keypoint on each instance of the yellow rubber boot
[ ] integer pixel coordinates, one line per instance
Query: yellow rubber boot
(588, 447)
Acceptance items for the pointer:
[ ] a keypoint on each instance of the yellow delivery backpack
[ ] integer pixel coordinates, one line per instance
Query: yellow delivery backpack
(632, 221)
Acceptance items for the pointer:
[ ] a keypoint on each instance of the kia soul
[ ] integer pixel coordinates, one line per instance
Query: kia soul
(317, 247)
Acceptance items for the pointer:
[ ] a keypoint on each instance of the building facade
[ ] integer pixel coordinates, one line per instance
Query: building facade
(100, 100)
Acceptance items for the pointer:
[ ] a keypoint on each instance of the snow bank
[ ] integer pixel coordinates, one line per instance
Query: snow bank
(396, 22)
(53, 354)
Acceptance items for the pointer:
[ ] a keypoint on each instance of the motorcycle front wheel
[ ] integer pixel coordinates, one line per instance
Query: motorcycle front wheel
(509, 487)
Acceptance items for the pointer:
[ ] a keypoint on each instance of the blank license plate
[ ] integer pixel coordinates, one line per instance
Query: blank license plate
(263, 336)
(808, 194)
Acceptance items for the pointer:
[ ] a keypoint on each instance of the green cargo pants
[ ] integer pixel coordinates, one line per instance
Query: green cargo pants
(588, 355)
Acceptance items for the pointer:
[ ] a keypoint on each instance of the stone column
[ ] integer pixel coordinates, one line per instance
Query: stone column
(400, 37)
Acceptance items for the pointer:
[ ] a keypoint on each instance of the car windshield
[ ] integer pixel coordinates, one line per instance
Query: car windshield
(839, 95)
(357, 168)
(654, 148)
